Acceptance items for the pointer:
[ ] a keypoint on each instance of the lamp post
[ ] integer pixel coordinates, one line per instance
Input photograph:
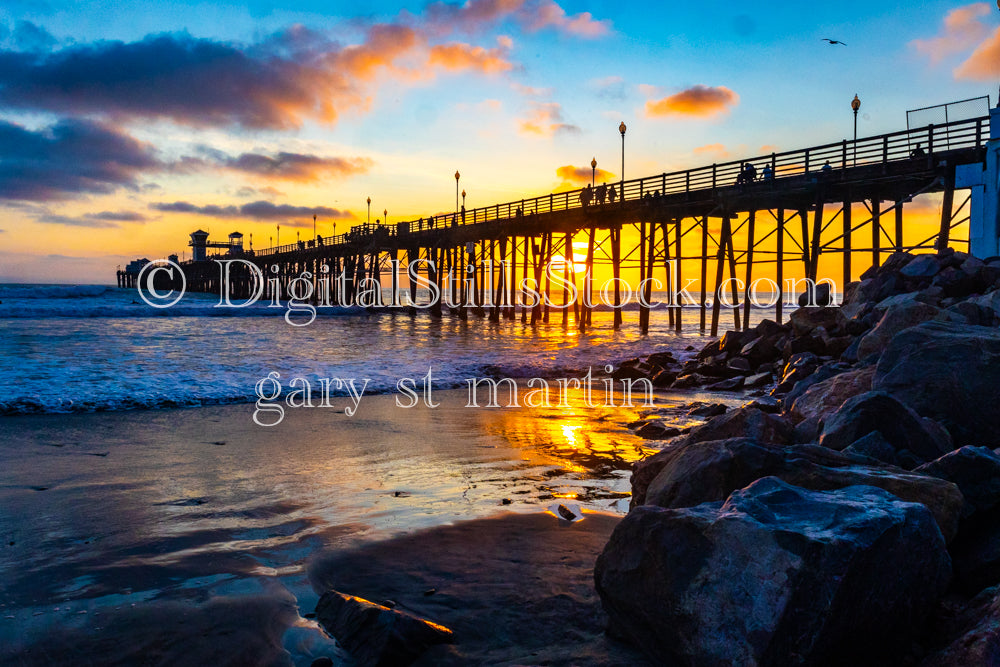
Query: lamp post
(457, 176)
(369, 210)
(314, 226)
(593, 170)
(855, 105)
(385, 216)
(277, 235)
(622, 128)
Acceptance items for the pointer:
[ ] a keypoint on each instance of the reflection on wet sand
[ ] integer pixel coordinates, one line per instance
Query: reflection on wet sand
(200, 508)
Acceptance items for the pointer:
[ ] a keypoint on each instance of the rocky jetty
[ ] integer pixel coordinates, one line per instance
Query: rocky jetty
(851, 515)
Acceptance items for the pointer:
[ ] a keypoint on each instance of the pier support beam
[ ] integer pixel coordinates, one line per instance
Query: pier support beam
(984, 181)
(847, 244)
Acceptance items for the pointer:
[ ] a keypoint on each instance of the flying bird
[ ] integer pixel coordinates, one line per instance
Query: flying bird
(837, 41)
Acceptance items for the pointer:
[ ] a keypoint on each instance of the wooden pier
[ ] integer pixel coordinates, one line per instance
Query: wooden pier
(844, 198)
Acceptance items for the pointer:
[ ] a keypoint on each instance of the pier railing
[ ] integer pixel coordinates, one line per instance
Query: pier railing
(834, 157)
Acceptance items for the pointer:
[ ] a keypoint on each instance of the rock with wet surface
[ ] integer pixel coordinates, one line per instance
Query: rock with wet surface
(690, 474)
(375, 635)
(768, 578)
(948, 372)
(903, 428)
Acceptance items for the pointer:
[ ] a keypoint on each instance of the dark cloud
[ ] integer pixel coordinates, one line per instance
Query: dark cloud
(297, 167)
(74, 221)
(258, 210)
(116, 216)
(175, 76)
(276, 83)
(29, 37)
(68, 158)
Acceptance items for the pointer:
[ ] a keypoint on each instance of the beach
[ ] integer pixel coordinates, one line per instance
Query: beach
(115, 521)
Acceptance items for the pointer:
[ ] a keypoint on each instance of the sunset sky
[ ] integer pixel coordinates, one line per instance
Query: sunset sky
(125, 126)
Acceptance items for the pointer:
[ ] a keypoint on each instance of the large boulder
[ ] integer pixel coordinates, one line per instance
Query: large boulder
(895, 319)
(990, 303)
(922, 266)
(823, 398)
(824, 372)
(770, 578)
(690, 474)
(903, 428)
(799, 366)
(979, 641)
(950, 373)
(748, 421)
(976, 472)
(805, 320)
(376, 635)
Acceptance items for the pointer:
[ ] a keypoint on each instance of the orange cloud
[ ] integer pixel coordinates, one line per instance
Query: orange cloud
(582, 175)
(531, 91)
(701, 101)
(962, 27)
(545, 119)
(984, 63)
(768, 148)
(459, 56)
(712, 149)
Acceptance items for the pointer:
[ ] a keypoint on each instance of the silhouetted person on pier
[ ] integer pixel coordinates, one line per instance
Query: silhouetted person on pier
(767, 173)
(463, 214)
(586, 195)
(918, 152)
(602, 193)
(518, 213)
(612, 195)
(827, 167)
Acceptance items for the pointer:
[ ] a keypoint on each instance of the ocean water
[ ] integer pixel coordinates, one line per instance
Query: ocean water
(135, 529)
(93, 348)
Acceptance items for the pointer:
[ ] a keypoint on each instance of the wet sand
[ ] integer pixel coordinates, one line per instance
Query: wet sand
(516, 589)
(144, 536)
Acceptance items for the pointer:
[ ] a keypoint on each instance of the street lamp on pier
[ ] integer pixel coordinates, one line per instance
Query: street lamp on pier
(593, 170)
(855, 105)
(621, 191)
(369, 210)
(457, 176)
